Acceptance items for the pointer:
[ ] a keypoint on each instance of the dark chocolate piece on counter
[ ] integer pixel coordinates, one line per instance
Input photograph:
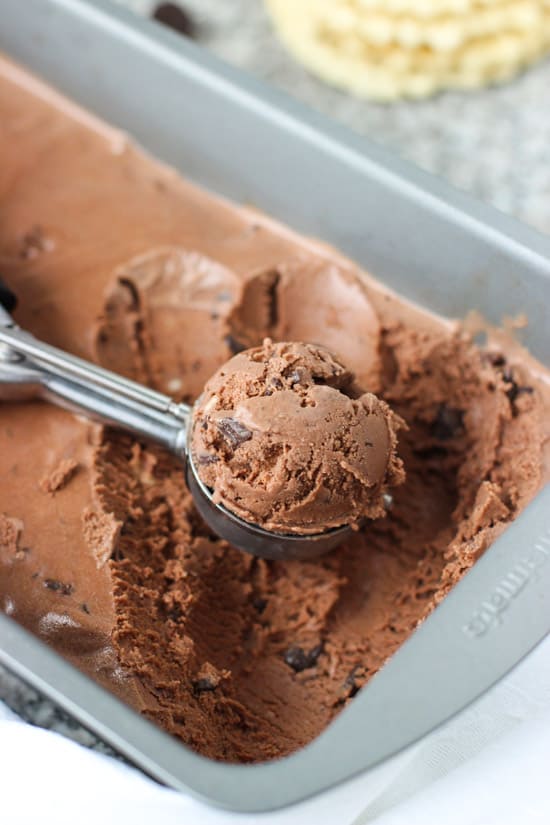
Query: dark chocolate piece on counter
(175, 17)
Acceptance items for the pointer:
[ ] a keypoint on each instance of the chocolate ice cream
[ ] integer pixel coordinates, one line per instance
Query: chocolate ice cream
(285, 440)
(102, 554)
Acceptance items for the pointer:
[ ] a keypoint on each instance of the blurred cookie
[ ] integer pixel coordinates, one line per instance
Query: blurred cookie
(390, 55)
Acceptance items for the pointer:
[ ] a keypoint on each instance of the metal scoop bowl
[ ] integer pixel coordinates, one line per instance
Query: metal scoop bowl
(31, 369)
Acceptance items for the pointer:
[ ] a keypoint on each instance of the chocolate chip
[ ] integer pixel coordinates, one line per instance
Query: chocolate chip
(298, 659)
(85, 609)
(514, 390)
(205, 458)
(259, 604)
(497, 359)
(204, 685)
(175, 17)
(234, 345)
(350, 687)
(58, 587)
(448, 423)
(525, 389)
(132, 292)
(277, 383)
(233, 431)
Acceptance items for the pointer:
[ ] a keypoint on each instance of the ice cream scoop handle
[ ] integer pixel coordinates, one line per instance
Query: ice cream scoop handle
(62, 363)
(84, 387)
(107, 407)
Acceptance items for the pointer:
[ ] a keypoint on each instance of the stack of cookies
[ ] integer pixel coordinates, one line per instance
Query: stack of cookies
(387, 49)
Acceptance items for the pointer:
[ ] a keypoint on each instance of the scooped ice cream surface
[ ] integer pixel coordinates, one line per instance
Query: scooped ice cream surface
(287, 440)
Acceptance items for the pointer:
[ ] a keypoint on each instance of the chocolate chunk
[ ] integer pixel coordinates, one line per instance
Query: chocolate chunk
(298, 659)
(514, 390)
(233, 431)
(497, 359)
(448, 423)
(277, 383)
(58, 587)
(175, 17)
(525, 390)
(132, 293)
(351, 688)
(204, 685)
(205, 458)
(259, 604)
(314, 654)
(174, 612)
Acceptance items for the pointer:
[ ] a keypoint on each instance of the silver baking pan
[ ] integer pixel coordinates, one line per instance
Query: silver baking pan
(434, 245)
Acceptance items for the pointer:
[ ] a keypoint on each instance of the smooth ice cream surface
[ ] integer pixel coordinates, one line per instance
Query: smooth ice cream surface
(285, 440)
(102, 553)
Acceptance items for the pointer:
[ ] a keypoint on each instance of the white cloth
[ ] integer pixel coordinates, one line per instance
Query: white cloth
(487, 766)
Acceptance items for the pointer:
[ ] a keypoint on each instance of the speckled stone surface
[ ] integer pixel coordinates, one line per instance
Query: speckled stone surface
(493, 143)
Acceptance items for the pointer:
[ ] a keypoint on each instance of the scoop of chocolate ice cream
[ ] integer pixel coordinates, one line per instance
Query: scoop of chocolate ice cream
(287, 440)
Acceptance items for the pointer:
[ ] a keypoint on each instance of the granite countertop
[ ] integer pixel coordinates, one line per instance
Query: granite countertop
(493, 143)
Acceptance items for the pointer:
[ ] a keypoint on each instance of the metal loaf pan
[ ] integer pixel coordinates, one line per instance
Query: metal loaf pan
(434, 245)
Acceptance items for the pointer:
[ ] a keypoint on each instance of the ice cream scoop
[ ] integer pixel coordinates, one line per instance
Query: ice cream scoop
(287, 439)
(30, 368)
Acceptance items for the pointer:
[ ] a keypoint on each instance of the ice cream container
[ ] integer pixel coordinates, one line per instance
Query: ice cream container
(433, 245)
